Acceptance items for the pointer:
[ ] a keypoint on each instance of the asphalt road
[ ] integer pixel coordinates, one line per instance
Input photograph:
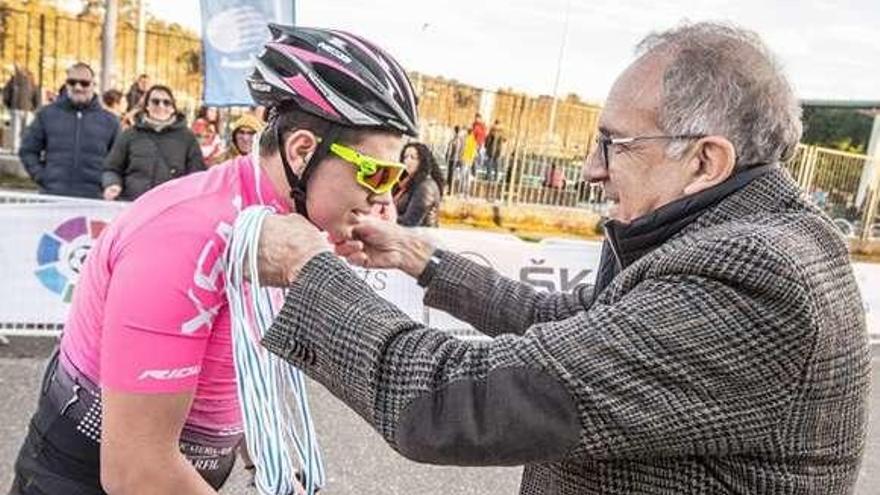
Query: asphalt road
(358, 461)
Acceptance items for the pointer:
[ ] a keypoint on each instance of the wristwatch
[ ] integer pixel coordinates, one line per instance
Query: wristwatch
(430, 269)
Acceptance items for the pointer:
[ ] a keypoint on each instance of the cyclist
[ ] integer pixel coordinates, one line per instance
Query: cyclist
(141, 396)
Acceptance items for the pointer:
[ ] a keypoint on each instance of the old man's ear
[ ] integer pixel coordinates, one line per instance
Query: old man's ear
(713, 162)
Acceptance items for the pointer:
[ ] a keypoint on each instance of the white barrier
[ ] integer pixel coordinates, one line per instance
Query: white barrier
(45, 239)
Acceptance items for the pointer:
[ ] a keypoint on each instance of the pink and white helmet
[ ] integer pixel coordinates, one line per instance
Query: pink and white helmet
(334, 75)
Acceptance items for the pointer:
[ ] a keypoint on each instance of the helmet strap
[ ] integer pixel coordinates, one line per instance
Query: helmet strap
(298, 184)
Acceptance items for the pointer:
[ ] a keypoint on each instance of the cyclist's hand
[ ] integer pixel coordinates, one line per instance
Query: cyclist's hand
(382, 244)
(112, 192)
(287, 243)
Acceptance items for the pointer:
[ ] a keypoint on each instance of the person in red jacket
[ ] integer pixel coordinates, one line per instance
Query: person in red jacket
(478, 128)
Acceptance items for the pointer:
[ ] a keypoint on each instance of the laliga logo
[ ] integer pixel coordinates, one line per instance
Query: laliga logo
(238, 31)
(61, 253)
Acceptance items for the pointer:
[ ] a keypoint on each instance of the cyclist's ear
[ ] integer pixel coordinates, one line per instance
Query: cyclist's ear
(299, 146)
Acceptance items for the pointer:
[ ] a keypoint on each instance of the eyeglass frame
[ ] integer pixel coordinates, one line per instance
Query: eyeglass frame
(366, 166)
(604, 142)
(161, 102)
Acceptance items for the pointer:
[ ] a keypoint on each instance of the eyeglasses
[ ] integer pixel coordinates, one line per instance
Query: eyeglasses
(603, 143)
(85, 83)
(161, 102)
(376, 175)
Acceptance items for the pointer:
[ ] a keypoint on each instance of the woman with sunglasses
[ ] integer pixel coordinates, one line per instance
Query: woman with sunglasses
(141, 397)
(420, 192)
(158, 148)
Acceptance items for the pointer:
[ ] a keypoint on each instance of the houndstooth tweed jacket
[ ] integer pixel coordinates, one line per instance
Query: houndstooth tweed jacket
(731, 358)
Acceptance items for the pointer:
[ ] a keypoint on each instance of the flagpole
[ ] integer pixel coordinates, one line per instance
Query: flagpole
(552, 127)
(108, 41)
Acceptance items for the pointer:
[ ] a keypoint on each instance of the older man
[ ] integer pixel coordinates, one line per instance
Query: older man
(722, 350)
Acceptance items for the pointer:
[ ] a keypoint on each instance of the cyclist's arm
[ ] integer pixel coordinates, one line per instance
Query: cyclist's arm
(159, 313)
(140, 453)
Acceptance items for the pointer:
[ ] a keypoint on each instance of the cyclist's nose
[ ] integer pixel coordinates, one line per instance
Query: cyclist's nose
(378, 200)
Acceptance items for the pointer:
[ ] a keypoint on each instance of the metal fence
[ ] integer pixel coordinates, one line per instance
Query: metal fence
(47, 42)
(845, 185)
(539, 162)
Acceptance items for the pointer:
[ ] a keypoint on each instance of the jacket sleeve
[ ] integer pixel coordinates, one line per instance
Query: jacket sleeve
(494, 304)
(117, 130)
(116, 162)
(33, 143)
(195, 162)
(424, 197)
(697, 359)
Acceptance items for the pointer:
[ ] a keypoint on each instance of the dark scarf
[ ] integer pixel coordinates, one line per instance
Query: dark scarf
(625, 243)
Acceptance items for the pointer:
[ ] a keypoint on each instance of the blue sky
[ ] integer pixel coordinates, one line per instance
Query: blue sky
(830, 48)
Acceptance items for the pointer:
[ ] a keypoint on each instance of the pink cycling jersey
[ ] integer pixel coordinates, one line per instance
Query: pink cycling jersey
(149, 314)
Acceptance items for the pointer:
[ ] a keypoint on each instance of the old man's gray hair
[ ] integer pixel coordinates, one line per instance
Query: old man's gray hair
(722, 80)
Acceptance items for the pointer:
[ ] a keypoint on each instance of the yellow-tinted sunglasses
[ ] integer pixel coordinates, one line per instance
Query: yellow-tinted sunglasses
(376, 175)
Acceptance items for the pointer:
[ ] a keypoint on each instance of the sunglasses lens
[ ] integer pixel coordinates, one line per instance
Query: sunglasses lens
(79, 82)
(383, 178)
(378, 179)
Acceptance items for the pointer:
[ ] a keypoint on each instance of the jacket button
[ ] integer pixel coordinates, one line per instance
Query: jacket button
(292, 349)
(173, 171)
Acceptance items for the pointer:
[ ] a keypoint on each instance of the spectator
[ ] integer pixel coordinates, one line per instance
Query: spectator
(112, 100)
(242, 138)
(135, 96)
(158, 148)
(22, 97)
(209, 140)
(211, 115)
(494, 146)
(554, 178)
(64, 147)
(478, 128)
(453, 156)
(468, 155)
(419, 195)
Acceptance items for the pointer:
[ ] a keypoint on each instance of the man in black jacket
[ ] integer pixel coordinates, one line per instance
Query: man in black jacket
(63, 150)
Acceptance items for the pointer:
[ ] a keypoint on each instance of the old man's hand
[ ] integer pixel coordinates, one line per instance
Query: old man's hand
(287, 243)
(382, 244)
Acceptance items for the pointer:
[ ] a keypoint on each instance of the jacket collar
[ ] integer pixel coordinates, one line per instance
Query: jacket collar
(178, 122)
(65, 101)
(626, 243)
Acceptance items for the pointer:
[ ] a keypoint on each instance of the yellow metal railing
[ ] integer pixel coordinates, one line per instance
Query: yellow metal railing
(843, 184)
